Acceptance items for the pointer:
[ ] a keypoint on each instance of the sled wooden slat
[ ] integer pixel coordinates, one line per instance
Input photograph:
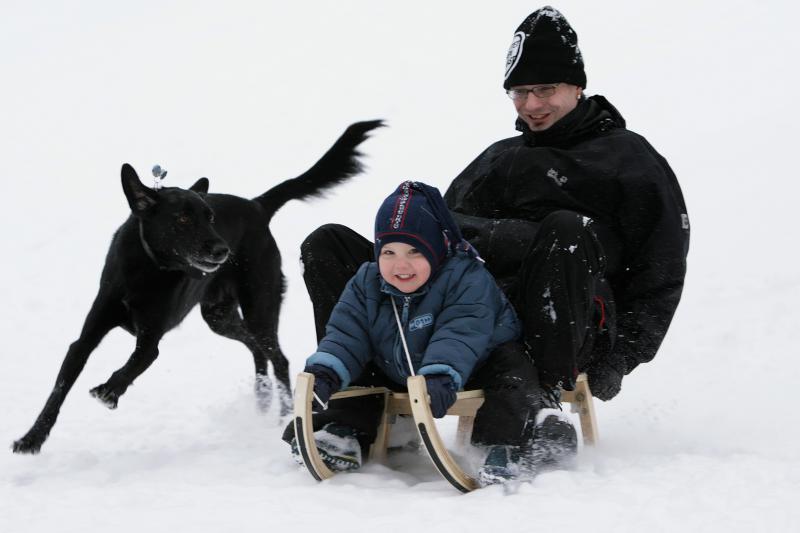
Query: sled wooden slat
(304, 428)
(444, 463)
(467, 403)
(582, 403)
(359, 391)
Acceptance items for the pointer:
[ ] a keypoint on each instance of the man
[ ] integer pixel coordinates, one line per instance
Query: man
(580, 220)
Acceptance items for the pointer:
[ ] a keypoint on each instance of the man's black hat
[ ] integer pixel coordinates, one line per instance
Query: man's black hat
(544, 50)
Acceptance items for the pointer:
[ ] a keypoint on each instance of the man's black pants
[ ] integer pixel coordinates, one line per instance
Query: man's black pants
(563, 298)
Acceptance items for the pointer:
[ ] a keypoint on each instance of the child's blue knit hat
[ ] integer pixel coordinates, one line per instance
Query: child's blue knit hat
(415, 214)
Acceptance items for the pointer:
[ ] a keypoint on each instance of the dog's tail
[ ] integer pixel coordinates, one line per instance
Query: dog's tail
(338, 164)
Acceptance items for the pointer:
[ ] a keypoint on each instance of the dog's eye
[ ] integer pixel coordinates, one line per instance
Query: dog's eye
(183, 219)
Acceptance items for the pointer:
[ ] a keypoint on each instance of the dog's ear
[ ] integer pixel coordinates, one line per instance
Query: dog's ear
(140, 198)
(200, 186)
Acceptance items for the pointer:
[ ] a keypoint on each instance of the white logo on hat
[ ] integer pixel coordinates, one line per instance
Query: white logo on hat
(514, 52)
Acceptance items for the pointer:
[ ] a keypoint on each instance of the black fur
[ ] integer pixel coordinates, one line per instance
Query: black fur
(183, 247)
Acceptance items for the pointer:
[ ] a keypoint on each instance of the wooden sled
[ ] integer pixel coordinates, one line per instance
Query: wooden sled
(416, 404)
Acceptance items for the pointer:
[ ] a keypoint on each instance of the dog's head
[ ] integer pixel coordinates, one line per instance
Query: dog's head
(176, 226)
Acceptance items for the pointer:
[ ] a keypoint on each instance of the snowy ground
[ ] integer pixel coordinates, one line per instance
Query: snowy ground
(249, 93)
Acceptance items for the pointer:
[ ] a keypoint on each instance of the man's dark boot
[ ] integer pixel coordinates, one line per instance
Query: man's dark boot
(554, 439)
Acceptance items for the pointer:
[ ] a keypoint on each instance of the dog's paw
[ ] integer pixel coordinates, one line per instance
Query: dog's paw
(27, 444)
(106, 395)
(285, 398)
(263, 391)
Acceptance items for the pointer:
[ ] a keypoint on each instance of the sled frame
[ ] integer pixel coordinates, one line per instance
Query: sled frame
(416, 403)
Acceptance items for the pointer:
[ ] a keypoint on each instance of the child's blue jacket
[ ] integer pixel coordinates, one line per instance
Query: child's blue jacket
(451, 324)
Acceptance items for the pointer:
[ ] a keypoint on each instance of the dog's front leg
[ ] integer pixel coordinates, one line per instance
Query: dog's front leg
(141, 358)
(106, 314)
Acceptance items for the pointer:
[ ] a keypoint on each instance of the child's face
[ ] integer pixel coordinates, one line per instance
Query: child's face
(403, 266)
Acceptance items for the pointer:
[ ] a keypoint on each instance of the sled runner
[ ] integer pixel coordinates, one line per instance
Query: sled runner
(416, 404)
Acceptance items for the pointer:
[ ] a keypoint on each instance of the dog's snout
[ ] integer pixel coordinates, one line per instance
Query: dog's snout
(218, 251)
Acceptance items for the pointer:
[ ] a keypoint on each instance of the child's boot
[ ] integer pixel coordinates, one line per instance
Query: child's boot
(337, 445)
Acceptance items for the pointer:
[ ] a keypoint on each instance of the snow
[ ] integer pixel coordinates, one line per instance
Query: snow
(704, 438)
(563, 415)
(549, 308)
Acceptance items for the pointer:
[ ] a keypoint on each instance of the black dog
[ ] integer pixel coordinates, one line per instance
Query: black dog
(183, 247)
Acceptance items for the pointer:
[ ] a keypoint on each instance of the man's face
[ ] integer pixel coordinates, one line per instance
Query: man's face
(541, 113)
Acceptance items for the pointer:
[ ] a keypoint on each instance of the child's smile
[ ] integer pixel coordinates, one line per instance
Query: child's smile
(403, 266)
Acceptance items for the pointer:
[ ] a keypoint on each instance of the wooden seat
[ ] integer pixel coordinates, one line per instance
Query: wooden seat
(465, 408)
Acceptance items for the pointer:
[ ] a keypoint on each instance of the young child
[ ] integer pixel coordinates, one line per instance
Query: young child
(431, 284)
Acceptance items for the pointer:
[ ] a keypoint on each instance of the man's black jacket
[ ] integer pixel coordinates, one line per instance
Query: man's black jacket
(589, 163)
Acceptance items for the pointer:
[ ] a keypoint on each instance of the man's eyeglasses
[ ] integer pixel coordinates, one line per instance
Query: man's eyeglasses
(540, 91)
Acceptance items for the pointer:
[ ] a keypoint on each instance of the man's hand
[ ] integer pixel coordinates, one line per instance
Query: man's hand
(326, 382)
(605, 377)
(442, 391)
